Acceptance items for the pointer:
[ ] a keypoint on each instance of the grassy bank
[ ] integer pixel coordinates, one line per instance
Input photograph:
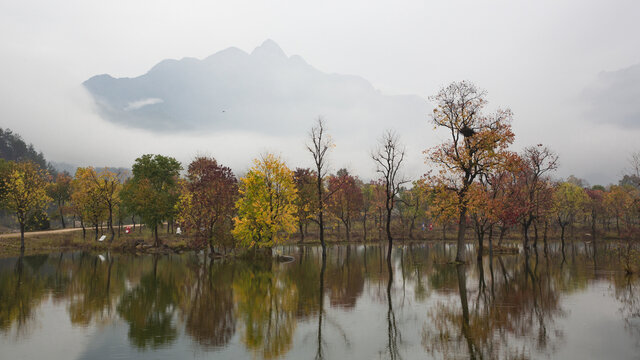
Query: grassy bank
(48, 241)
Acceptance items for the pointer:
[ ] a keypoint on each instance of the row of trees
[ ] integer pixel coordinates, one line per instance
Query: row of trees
(477, 182)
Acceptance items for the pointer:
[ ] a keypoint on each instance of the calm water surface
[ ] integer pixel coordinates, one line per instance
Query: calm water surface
(356, 306)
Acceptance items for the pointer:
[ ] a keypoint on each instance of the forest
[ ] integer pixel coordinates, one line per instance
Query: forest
(477, 189)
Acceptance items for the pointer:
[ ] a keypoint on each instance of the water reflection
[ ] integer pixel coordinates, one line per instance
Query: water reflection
(149, 306)
(210, 319)
(356, 302)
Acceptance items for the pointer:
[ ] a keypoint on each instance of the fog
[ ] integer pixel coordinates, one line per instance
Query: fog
(545, 60)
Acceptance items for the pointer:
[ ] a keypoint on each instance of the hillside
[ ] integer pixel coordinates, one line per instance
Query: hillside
(265, 91)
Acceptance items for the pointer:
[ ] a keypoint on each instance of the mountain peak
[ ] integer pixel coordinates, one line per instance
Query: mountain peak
(269, 48)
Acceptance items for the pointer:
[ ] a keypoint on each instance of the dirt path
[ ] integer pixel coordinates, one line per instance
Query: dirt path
(34, 233)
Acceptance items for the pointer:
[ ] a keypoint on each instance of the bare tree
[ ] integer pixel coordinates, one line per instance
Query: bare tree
(538, 160)
(388, 157)
(320, 145)
(634, 161)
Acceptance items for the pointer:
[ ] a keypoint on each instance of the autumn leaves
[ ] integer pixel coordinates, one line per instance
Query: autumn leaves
(476, 181)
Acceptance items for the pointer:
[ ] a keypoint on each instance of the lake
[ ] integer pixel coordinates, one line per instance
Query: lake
(356, 306)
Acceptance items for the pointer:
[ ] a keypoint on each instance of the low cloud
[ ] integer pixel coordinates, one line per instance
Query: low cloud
(138, 104)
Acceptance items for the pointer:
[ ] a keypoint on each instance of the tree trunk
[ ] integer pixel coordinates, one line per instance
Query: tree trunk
(562, 239)
(321, 211)
(155, 231)
(364, 227)
(22, 236)
(389, 238)
(503, 230)
(96, 224)
(461, 231)
(525, 231)
(348, 230)
(113, 233)
(61, 215)
(544, 238)
(301, 227)
(491, 242)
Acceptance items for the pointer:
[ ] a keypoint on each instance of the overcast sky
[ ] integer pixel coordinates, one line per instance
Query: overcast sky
(536, 57)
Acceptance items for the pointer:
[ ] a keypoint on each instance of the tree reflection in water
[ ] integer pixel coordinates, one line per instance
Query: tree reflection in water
(519, 305)
(266, 303)
(20, 294)
(149, 308)
(211, 317)
(501, 307)
(392, 327)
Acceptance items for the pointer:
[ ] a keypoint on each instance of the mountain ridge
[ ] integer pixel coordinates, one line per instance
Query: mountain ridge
(264, 91)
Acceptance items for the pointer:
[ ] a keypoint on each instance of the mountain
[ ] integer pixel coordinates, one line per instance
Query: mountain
(14, 148)
(265, 91)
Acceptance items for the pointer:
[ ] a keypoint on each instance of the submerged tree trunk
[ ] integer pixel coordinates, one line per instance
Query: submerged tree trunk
(364, 227)
(503, 230)
(480, 244)
(562, 239)
(389, 233)
(461, 231)
(544, 238)
(491, 241)
(525, 232)
(347, 230)
(301, 227)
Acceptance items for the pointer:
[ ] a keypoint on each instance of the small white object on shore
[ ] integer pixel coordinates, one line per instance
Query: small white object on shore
(102, 238)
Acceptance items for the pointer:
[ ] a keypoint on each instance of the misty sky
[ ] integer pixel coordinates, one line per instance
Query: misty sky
(539, 58)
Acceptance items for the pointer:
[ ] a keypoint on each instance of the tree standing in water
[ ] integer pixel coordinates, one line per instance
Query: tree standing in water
(477, 145)
(207, 201)
(267, 204)
(346, 202)
(388, 158)
(321, 143)
(568, 202)
(306, 187)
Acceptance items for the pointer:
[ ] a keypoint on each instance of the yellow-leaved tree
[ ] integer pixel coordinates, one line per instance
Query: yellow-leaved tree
(86, 200)
(266, 207)
(25, 191)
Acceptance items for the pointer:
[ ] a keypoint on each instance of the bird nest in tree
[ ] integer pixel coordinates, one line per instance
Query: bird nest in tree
(467, 131)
